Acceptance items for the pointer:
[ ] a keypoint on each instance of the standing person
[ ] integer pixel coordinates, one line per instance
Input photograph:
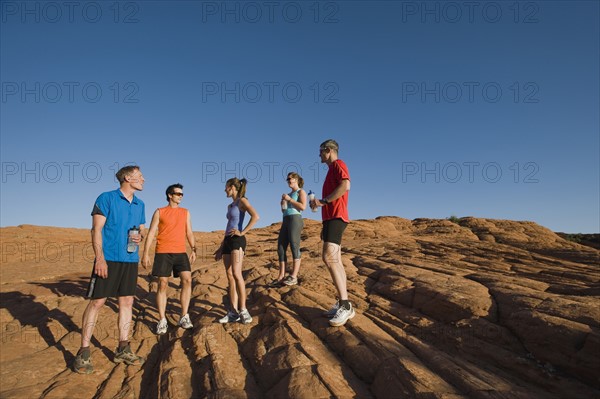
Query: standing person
(292, 205)
(174, 225)
(115, 269)
(232, 249)
(334, 212)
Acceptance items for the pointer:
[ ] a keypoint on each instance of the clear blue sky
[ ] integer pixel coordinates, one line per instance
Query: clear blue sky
(486, 109)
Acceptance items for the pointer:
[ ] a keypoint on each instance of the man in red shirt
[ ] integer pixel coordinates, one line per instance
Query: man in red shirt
(334, 211)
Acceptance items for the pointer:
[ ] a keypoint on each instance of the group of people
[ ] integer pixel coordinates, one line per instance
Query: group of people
(117, 215)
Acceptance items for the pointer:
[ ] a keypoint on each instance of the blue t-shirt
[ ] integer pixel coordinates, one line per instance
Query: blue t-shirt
(121, 215)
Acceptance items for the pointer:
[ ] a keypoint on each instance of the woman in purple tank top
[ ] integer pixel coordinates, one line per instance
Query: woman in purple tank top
(232, 249)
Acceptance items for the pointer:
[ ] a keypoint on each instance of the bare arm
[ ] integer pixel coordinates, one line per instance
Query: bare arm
(100, 267)
(340, 190)
(254, 216)
(300, 204)
(150, 238)
(190, 237)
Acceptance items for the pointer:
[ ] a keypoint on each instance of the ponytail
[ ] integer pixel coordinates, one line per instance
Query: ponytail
(240, 186)
(242, 189)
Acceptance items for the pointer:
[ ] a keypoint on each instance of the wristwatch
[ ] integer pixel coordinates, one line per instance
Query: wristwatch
(324, 201)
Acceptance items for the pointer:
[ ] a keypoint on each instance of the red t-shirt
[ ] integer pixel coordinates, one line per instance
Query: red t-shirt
(337, 209)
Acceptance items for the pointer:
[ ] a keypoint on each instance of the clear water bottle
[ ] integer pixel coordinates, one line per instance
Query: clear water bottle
(311, 197)
(284, 205)
(131, 245)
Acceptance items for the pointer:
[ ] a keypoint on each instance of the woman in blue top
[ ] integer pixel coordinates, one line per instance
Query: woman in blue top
(292, 205)
(233, 247)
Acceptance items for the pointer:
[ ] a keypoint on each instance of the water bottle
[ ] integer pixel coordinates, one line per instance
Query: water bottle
(311, 197)
(284, 205)
(131, 245)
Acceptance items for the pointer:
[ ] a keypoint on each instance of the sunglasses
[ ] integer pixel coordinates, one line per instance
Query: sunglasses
(179, 194)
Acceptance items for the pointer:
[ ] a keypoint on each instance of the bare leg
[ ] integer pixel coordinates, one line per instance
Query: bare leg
(186, 291)
(282, 267)
(237, 258)
(125, 311)
(296, 268)
(233, 296)
(90, 316)
(161, 297)
(332, 256)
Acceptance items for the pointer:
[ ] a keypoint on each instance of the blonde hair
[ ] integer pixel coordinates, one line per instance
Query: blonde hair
(331, 144)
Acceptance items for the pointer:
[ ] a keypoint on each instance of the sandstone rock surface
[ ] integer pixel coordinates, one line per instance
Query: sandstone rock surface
(476, 309)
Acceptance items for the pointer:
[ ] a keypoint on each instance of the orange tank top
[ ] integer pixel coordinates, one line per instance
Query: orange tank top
(172, 227)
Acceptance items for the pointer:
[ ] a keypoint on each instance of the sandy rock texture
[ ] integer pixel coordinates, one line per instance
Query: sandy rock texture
(480, 308)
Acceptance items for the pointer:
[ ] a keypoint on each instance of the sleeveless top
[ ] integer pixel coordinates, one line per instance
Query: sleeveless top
(290, 209)
(235, 217)
(171, 230)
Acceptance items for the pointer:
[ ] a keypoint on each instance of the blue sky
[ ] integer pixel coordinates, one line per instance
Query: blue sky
(486, 109)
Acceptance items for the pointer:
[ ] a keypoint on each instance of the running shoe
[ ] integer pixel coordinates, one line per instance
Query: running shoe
(342, 316)
(185, 322)
(161, 327)
(230, 317)
(245, 316)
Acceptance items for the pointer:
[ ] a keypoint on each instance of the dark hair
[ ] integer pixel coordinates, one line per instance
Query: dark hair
(125, 171)
(240, 185)
(297, 177)
(171, 189)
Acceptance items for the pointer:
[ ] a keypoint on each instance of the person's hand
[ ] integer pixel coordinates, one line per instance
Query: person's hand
(235, 232)
(137, 238)
(146, 261)
(101, 268)
(314, 204)
(218, 254)
(286, 197)
(192, 257)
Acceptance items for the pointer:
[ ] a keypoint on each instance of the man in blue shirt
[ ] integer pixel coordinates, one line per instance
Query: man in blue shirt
(115, 265)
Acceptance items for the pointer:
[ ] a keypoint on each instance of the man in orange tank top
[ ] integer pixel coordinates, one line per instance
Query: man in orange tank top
(174, 226)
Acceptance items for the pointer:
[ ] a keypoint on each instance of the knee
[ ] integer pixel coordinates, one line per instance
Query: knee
(186, 281)
(163, 285)
(126, 301)
(97, 303)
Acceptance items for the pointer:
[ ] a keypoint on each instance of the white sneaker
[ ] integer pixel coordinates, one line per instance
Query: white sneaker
(185, 322)
(331, 312)
(245, 316)
(230, 317)
(161, 327)
(342, 316)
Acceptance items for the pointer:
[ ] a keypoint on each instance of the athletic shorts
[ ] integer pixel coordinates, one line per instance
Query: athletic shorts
(333, 230)
(121, 281)
(165, 264)
(232, 243)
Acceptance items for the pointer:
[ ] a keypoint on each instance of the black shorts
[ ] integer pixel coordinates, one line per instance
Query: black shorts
(232, 243)
(164, 264)
(121, 281)
(333, 230)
